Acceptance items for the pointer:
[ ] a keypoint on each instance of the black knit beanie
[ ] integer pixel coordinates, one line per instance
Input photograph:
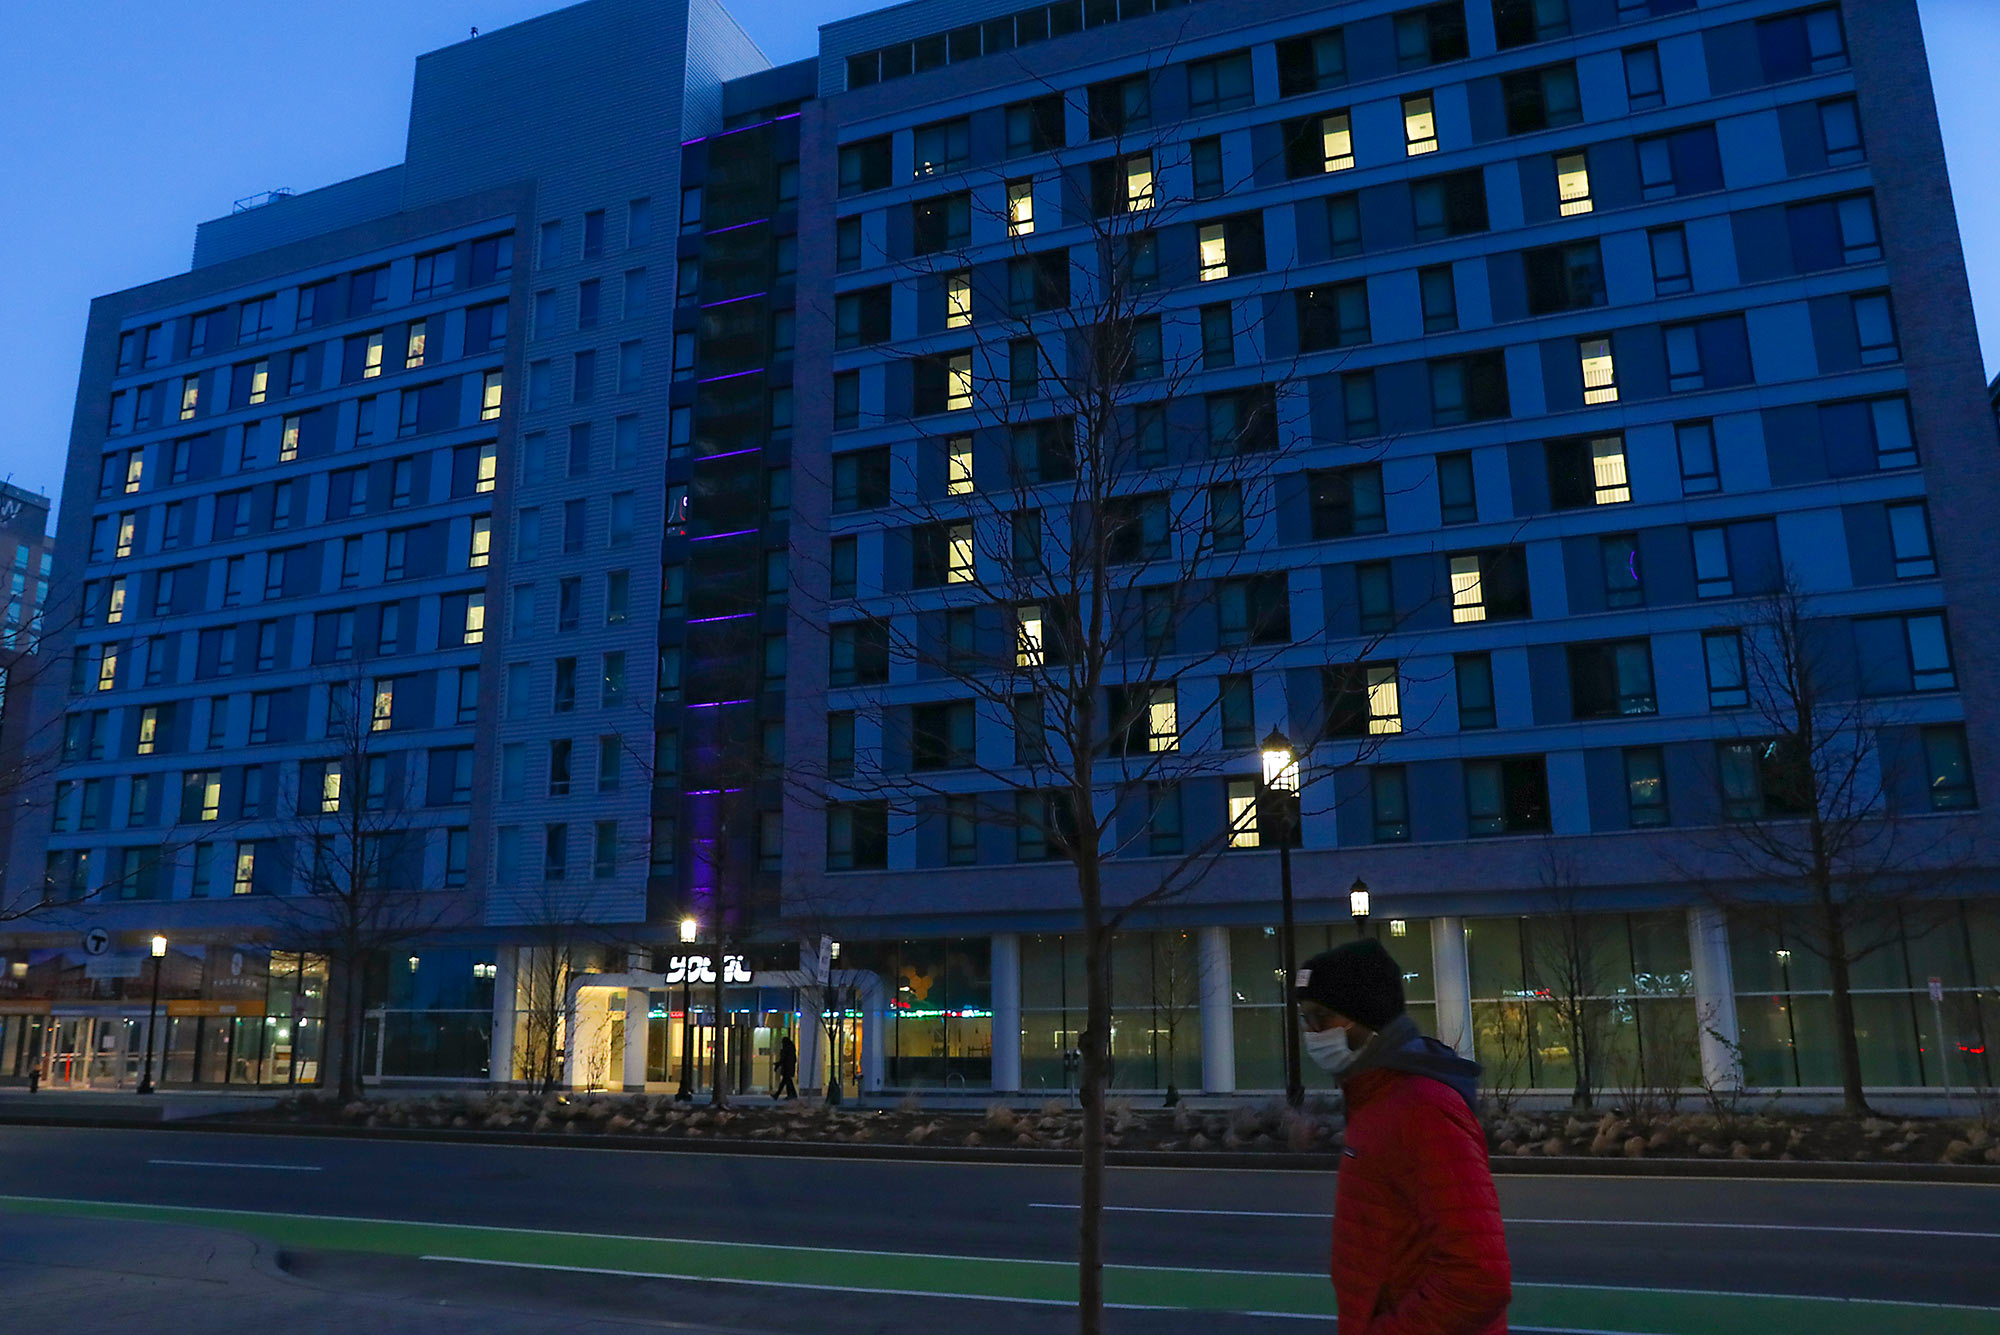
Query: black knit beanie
(1358, 979)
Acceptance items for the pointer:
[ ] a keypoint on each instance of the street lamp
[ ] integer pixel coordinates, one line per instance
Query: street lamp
(152, 1016)
(1357, 906)
(834, 1001)
(689, 927)
(1283, 777)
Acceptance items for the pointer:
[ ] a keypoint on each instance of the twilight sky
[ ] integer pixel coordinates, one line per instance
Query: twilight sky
(129, 121)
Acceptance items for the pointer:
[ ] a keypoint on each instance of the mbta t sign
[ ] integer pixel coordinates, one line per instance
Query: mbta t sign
(96, 941)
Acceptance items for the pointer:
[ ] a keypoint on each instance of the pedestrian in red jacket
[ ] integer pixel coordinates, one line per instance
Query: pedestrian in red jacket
(1418, 1247)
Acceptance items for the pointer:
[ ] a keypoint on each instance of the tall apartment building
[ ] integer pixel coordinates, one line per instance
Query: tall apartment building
(666, 460)
(26, 562)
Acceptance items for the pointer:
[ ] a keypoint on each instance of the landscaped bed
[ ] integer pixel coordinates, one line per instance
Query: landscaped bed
(1709, 1135)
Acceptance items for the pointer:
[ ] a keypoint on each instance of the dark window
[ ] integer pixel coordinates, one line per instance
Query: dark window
(1474, 673)
(1389, 799)
(1564, 278)
(1458, 501)
(860, 318)
(1809, 42)
(861, 480)
(1218, 337)
(1438, 295)
(1035, 126)
(1038, 282)
(1489, 586)
(1542, 99)
(1120, 105)
(1306, 64)
(1044, 451)
(1472, 388)
(1645, 786)
(1206, 158)
(1524, 22)
(1644, 89)
(1236, 704)
(1506, 796)
(1135, 528)
(1686, 162)
(1452, 205)
(859, 654)
(1374, 597)
(1432, 35)
(1763, 779)
(1333, 316)
(1611, 680)
(943, 146)
(1255, 610)
(1243, 421)
(1347, 501)
(864, 166)
(1220, 83)
(1624, 583)
(1343, 225)
(942, 736)
(940, 224)
(857, 836)
(1948, 765)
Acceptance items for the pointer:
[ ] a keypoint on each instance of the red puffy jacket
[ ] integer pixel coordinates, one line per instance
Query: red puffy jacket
(1418, 1247)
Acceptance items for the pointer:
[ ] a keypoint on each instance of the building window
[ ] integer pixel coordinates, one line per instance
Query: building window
(475, 618)
(1035, 126)
(1600, 372)
(1231, 246)
(1118, 106)
(1696, 443)
(1612, 680)
(1722, 659)
(1218, 337)
(1242, 797)
(1020, 208)
(1474, 676)
(1684, 360)
(1910, 540)
(1645, 787)
(942, 146)
(1375, 600)
(1712, 573)
(958, 299)
(941, 224)
(1573, 185)
(1618, 558)
(1469, 389)
(1438, 295)
(857, 836)
(1541, 99)
(1433, 35)
(1419, 125)
(1643, 87)
(1357, 401)
(1586, 472)
(1875, 329)
(1458, 501)
(1319, 144)
(1840, 132)
(1333, 315)
(1347, 502)
(1220, 83)
(245, 879)
(1308, 64)
(1948, 762)
(1506, 796)
(1489, 586)
(1389, 801)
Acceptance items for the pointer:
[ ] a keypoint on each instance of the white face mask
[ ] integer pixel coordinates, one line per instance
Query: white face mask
(1329, 1050)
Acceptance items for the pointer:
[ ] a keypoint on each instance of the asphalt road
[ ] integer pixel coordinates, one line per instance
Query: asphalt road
(897, 1235)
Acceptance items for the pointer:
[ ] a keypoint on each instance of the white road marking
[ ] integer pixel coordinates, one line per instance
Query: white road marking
(217, 1163)
(1562, 1223)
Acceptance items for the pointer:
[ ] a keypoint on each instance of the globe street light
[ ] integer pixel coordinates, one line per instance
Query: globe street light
(1357, 905)
(689, 928)
(1283, 777)
(152, 1016)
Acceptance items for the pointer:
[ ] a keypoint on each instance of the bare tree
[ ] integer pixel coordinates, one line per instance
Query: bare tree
(1814, 836)
(1176, 969)
(556, 925)
(351, 817)
(1052, 590)
(1573, 971)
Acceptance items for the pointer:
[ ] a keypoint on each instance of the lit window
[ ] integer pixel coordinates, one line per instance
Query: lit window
(288, 439)
(1028, 636)
(1243, 813)
(1214, 252)
(475, 618)
(385, 705)
(1573, 184)
(107, 668)
(260, 381)
(958, 467)
(114, 611)
(1600, 376)
(127, 530)
(958, 382)
(413, 351)
(190, 395)
(1336, 136)
(957, 300)
(489, 464)
(1419, 124)
(1139, 182)
(371, 358)
(958, 554)
(1385, 709)
(135, 472)
(246, 869)
(149, 728)
(489, 397)
(1020, 208)
(482, 542)
(1607, 466)
(1467, 601)
(329, 789)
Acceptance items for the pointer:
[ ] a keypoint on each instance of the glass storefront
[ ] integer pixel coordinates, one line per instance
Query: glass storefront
(430, 1014)
(937, 1020)
(1155, 1011)
(1257, 971)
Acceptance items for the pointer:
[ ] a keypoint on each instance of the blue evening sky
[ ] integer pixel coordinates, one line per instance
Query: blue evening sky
(129, 121)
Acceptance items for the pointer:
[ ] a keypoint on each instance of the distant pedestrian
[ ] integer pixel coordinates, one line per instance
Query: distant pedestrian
(1418, 1246)
(788, 1069)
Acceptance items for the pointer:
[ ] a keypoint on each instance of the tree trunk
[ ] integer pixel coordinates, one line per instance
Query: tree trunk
(1854, 1102)
(1094, 1077)
(340, 1017)
(1579, 1098)
(719, 1095)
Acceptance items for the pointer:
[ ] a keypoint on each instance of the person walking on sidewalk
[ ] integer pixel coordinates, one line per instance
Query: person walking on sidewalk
(788, 1069)
(1418, 1246)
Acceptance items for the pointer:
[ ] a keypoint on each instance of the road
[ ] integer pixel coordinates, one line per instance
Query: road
(753, 1244)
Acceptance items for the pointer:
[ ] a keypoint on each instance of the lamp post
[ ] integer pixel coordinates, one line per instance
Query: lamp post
(1282, 780)
(686, 1093)
(834, 1093)
(1357, 906)
(152, 1016)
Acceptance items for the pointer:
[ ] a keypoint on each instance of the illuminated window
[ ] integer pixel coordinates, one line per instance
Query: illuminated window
(190, 395)
(385, 705)
(1243, 813)
(1419, 124)
(475, 618)
(1385, 708)
(246, 869)
(1600, 376)
(958, 382)
(149, 728)
(413, 351)
(260, 381)
(482, 542)
(1138, 182)
(1028, 635)
(957, 299)
(1214, 252)
(329, 788)
(1607, 466)
(371, 358)
(1467, 601)
(135, 472)
(489, 399)
(1020, 208)
(114, 611)
(1336, 140)
(958, 554)
(107, 668)
(958, 466)
(127, 529)
(1573, 184)
(489, 463)
(1163, 731)
(288, 439)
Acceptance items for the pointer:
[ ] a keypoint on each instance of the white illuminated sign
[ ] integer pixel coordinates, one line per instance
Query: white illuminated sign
(701, 969)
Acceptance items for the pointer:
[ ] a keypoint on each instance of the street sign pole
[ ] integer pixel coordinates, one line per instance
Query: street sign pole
(1944, 1048)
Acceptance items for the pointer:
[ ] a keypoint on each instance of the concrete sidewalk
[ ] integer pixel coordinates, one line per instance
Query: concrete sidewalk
(105, 1277)
(121, 1107)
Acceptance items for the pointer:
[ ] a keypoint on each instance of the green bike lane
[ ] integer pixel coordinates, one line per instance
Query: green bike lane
(1276, 1294)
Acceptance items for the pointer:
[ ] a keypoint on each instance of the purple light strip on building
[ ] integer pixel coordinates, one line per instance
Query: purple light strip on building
(730, 301)
(754, 222)
(731, 454)
(733, 616)
(730, 375)
(710, 792)
(717, 704)
(724, 134)
(733, 533)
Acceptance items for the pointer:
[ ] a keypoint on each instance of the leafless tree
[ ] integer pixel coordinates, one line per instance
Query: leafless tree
(1816, 842)
(1573, 970)
(351, 814)
(1176, 974)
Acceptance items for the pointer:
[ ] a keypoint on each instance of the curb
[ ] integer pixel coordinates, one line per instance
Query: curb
(1264, 1161)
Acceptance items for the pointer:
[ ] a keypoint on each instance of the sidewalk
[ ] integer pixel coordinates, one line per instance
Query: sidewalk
(123, 1107)
(106, 1277)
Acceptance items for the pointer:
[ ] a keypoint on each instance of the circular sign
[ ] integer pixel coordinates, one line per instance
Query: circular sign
(96, 941)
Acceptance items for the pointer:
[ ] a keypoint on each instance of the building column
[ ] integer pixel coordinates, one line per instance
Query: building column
(1452, 984)
(1714, 997)
(1006, 1014)
(1218, 1014)
(500, 1056)
(873, 1003)
(638, 1030)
